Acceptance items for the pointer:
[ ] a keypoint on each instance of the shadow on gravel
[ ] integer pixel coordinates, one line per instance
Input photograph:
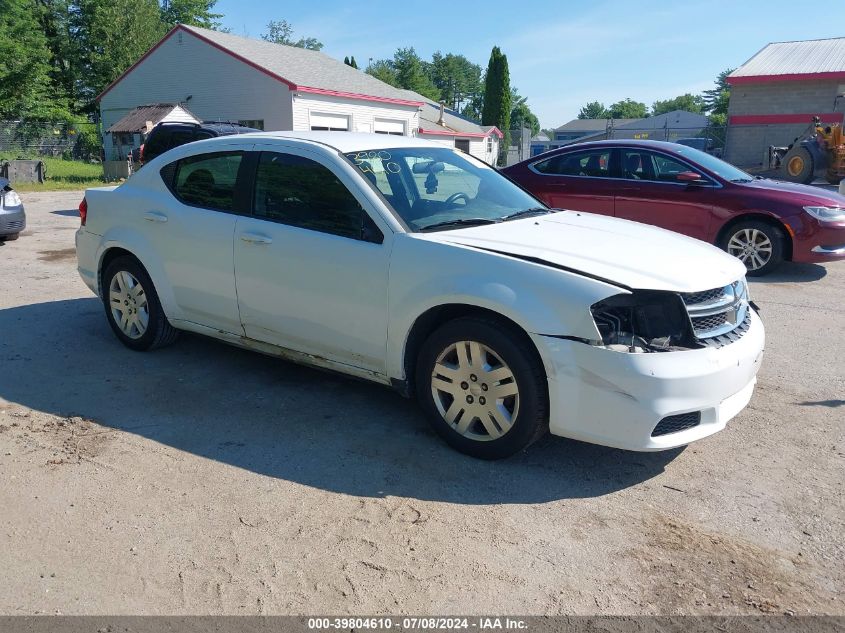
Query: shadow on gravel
(67, 212)
(789, 272)
(279, 419)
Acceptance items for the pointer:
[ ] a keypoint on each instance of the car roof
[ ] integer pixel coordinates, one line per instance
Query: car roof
(620, 142)
(341, 141)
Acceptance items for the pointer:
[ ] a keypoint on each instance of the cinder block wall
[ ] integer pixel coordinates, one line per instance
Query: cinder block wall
(747, 144)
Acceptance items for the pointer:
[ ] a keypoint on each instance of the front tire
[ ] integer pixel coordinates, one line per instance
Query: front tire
(483, 387)
(132, 306)
(756, 244)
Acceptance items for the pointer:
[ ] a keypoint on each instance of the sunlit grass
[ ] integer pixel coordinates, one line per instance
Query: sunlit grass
(64, 175)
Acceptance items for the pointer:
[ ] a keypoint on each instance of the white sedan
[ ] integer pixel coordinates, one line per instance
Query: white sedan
(416, 266)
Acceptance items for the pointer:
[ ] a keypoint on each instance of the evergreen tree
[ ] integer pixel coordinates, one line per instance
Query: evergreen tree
(353, 63)
(497, 95)
(190, 12)
(346, 61)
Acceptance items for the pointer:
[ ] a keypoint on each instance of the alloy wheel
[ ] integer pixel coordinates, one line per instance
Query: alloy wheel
(128, 304)
(752, 247)
(475, 391)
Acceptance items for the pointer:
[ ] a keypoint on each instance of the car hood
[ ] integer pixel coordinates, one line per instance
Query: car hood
(626, 253)
(808, 193)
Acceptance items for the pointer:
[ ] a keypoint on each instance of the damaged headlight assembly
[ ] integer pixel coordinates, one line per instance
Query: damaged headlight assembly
(644, 321)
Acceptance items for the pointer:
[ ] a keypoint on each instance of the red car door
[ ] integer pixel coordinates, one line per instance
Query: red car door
(580, 180)
(650, 192)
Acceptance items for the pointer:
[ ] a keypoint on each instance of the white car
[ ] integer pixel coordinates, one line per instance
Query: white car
(417, 266)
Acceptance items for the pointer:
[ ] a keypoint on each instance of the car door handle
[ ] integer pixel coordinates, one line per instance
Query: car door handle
(255, 238)
(155, 216)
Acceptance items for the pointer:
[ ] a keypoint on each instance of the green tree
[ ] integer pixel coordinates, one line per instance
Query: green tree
(593, 110)
(687, 102)
(716, 99)
(411, 75)
(353, 63)
(497, 96)
(383, 70)
(281, 32)
(457, 79)
(191, 12)
(521, 114)
(628, 109)
(121, 32)
(29, 92)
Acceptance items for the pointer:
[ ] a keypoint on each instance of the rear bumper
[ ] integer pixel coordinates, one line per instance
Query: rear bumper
(617, 399)
(87, 245)
(12, 221)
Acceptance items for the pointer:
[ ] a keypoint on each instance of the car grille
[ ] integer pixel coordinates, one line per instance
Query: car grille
(719, 316)
(677, 423)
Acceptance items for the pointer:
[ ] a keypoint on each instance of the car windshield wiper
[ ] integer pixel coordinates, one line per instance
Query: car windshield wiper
(741, 180)
(526, 213)
(458, 222)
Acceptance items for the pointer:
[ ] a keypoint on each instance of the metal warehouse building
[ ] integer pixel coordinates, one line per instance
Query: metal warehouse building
(776, 94)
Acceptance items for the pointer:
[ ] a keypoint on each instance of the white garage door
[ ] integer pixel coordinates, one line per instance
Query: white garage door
(390, 126)
(329, 122)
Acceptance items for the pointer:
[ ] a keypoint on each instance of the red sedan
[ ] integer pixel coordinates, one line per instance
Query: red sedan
(762, 222)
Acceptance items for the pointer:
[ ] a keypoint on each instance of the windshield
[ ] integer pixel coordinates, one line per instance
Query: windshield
(434, 188)
(713, 164)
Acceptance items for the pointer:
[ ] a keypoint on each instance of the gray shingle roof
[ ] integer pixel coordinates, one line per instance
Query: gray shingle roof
(430, 115)
(795, 58)
(303, 68)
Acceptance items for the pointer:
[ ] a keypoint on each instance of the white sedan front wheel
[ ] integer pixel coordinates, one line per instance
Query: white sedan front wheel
(483, 386)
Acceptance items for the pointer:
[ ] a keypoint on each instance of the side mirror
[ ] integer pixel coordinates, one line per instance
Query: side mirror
(691, 177)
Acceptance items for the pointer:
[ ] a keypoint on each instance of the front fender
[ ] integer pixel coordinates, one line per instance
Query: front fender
(538, 298)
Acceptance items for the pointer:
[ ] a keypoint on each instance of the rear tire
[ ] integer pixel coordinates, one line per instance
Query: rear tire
(9, 238)
(132, 306)
(483, 387)
(798, 165)
(756, 244)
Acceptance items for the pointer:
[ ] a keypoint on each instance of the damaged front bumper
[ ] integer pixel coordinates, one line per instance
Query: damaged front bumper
(618, 399)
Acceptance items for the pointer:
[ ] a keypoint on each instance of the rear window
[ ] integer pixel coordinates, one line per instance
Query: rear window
(205, 180)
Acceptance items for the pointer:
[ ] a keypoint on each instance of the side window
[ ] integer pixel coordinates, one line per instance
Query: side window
(594, 163)
(208, 180)
(301, 192)
(667, 169)
(637, 165)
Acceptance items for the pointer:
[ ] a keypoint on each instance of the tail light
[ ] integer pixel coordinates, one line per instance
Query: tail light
(83, 211)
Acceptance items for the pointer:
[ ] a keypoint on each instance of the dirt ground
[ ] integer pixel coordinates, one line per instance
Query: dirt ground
(202, 479)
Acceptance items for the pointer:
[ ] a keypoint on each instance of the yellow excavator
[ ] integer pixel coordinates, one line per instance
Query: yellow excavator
(819, 153)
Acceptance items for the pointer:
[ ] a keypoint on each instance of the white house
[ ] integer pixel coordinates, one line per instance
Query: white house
(224, 77)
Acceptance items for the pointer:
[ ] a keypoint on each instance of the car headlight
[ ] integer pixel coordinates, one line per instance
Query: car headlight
(827, 214)
(644, 321)
(11, 199)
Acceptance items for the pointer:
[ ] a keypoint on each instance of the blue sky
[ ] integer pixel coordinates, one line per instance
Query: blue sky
(561, 54)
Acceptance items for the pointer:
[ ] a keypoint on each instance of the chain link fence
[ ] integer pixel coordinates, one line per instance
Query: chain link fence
(69, 141)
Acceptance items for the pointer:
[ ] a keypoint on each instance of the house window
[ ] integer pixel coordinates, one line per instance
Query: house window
(258, 124)
(489, 145)
(328, 122)
(390, 126)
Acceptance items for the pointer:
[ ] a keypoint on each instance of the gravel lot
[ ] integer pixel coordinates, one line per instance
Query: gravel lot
(205, 479)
